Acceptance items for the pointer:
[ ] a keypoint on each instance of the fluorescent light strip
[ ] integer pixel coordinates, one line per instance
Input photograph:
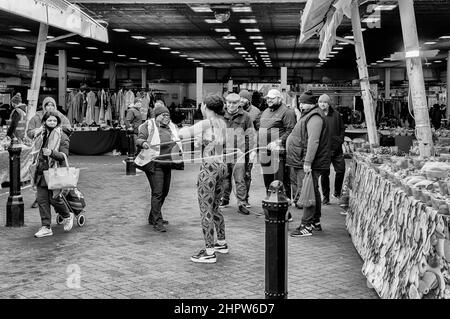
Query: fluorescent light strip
(212, 21)
(244, 21)
(229, 37)
(164, 48)
(20, 30)
(108, 52)
(121, 30)
(72, 42)
(121, 55)
(252, 30)
(234, 43)
(138, 37)
(75, 58)
(175, 52)
(259, 43)
(91, 48)
(385, 7)
(430, 43)
(19, 48)
(143, 61)
(261, 48)
(241, 9)
(255, 37)
(239, 48)
(222, 30)
(153, 43)
(370, 19)
(201, 9)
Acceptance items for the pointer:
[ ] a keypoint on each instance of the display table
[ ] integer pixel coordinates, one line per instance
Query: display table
(97, 142)
(403, 242)
(25, 162)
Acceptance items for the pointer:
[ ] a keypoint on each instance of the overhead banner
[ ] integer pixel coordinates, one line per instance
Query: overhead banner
(57, 13)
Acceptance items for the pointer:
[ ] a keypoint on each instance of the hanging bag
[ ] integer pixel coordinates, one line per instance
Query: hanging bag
(307, 197)
(62, 177)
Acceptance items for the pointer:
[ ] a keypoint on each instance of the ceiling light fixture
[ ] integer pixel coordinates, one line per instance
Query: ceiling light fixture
(133, 58)
(175, 52)
(235, 43)
(72, 42)
(50, 37)
(259, 43)
(338, 48)
(385, 7)
(75, 58)
(229, 37)
(121, 30)
(19, 48)
(101, 62)
(222, 30)
(252, 30)
(121, 55)
(153, 43)
(371, 19)
(430, 43)
(438, 61)
(212, 21)
(244, 21)
(239, 48)
(191, 59)
(138, 37)
(349, 37)
(89, 60)
(243, 52)
(241, 9)
(183, 56)
(108, 52)
(164, 48)
(334, 52)
(445, 37)
(412, 54)
(91, 48)
(380, 61)
(201, 9)
(143, 61)
(20, 30)
(261, 48)
(255, 37)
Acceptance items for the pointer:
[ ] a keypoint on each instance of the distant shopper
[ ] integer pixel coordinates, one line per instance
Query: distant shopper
(18, 118)
(308, 146)
(158, 139)
(133, 119)
(241, 137)
(336, 132)
(50, 146)
(35, 126)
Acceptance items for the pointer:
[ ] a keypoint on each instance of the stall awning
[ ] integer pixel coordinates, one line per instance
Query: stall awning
(323, 17)
(57, 13)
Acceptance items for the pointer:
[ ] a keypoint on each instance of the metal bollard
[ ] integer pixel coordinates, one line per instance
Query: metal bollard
(131, 168)
(14, 205)
(275, 207)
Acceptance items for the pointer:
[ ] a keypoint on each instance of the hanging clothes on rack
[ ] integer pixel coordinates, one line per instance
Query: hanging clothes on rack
(78, 107)
(113, 106)
(145, 105)
(119, 105)
(102, 99)
(129, 99)
(107, 108)
(71, 107)
(90, 112)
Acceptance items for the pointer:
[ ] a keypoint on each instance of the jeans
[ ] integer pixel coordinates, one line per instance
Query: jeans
(44, 197)
(296, 176)
(239, 179)
(338, 162)
(312, 214)
(159, 178)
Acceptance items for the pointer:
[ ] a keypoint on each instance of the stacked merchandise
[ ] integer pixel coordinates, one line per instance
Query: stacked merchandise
(398, 219)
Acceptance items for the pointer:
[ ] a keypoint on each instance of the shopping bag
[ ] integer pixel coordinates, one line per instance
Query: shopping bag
(307, 197)
(75, 199)
(62, 177)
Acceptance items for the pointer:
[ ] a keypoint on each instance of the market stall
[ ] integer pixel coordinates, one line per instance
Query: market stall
(97, 142)
(398, 219)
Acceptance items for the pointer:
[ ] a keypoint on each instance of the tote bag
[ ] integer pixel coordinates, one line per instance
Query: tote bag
(62, 177)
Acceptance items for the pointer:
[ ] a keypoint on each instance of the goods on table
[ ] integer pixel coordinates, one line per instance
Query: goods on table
(403, 241)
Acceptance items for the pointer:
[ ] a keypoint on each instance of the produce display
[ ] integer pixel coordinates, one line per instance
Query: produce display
(398, 220)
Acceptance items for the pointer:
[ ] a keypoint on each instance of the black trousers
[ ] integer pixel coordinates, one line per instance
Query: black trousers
(282, 174)
(312, 214)
(338, 161)
(159, 178)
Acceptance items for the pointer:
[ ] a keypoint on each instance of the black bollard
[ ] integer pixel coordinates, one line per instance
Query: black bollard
(14, 205)
(275, 207)
(131, 168)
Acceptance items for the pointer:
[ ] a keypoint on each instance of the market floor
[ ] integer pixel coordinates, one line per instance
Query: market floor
(118, 255)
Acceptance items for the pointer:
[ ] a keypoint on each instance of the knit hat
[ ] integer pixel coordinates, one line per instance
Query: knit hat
(307, 98)
(325, 98)
(160, 109)
(47, 100)
(246, 95)
(16, 99)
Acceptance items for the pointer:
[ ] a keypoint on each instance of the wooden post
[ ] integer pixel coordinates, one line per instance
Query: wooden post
(448, 86)
(230, 85)
(199, 86)
(369, 106)
(387, 83)
(112, 75)
(37, 71)
(144, 77)
(283, 78)
(415, 76)
(62, 78)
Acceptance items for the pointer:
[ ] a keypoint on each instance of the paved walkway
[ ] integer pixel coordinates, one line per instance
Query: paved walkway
(118, 255)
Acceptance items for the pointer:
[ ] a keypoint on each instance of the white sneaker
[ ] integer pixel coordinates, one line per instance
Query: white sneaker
(43, 232)
(68, 222)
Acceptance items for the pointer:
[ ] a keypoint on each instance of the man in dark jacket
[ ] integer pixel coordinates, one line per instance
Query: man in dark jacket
(240, 135)
(308, 146)
(336, 132)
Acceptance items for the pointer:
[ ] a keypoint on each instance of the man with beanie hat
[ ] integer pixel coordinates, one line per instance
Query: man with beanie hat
(336, 132)
(307, 149)
(18, 118)
(240, 135)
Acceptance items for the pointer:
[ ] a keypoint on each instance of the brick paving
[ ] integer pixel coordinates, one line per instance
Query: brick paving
(118, 255)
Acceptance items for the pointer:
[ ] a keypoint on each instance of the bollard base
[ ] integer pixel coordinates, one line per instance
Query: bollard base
(130, 167)
(275, 295)
(15, 211)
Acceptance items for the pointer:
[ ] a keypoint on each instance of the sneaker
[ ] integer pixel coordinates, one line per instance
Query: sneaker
(243, 210)
(247, 204)
(325, 201)
(35, 204)
(223, 249)
(302, 231)
(316, 226)
(43, 232)
(203, 257)
(224, 203)
(68, 222)
(290, 219)
(165, 222)
(160, 228)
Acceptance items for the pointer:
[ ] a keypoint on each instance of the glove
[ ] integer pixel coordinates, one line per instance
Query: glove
(272, 146)
(307, 168)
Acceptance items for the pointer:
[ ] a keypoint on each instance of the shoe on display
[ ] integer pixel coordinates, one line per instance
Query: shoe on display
(302, 231)
(224, 203)
(203, 257)
(223, 249)
(243, 210)
(325, 201)
(316, 226)
(43, 232)
(68, 222)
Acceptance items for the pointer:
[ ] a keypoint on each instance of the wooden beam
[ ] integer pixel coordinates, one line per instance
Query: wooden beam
(61, 37)
(369, 107)
(37, 71)
(62, 78)
(415, 76)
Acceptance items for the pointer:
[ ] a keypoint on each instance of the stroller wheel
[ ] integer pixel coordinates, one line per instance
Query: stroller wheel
(59, 219)
(81, 220)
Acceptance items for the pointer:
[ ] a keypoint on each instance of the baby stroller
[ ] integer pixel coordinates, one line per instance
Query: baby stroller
(74, 200)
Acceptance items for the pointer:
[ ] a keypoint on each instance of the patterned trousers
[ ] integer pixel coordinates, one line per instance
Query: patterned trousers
(209, 187)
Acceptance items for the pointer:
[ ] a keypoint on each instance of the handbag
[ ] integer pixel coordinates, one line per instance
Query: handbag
(307, 196)
(62, 177)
